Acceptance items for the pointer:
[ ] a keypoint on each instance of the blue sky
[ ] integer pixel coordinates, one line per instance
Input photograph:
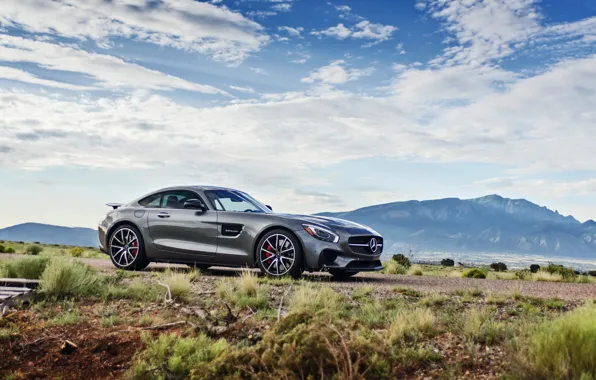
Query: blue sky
(309, 105)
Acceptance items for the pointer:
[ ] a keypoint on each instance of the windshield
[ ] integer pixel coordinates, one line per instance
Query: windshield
(236, 201)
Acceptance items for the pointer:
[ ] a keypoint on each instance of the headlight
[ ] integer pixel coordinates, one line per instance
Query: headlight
(321, 233)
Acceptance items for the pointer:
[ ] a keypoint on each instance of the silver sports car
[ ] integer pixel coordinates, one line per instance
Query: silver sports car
(205, 226)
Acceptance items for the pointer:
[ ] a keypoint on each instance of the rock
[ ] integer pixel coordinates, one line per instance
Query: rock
(67, 347)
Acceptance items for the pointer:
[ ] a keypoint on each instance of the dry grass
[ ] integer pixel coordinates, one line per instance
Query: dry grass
(392, 267)
(473, 321)
(415, 270)
(546, 276)
(247, 283)
(410, 323)
(179, 284)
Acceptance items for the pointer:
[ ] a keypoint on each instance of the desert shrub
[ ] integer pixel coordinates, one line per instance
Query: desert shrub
(524, 274)
(76, 252)
(63, 278)
(434, 299)
(171, 357)
(26, 267)
(567, 273)
(2, 248)
(392, 267)
(474, 273)
(9, 250)
(592, 273)
(498, 267)
(534, 268)
(34, 250)
(415, 270)
(402, 260)
(560, 349)
(447, 263)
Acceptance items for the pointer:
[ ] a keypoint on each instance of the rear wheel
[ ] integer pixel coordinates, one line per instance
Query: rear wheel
(127, 249)
(342, 274)
(279, 254)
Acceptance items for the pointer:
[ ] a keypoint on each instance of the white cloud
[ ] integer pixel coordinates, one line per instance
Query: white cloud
(247, 90)
(493, 29)
(343, 8)
(23, 76)
(196, 26)
(261, 14)
(111, 72)
(335, 73)
(294, 32)
(400, 49)
(542, 187)
(283, 7)
(363, 30)
(340, 32)
(258, 71)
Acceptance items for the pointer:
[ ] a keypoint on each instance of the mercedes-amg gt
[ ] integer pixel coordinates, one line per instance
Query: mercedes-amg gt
(205, 226)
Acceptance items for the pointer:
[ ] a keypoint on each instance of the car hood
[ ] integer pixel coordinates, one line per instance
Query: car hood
(333, 223)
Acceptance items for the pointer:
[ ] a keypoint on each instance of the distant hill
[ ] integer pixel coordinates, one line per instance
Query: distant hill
(50, 234)
(486, 224)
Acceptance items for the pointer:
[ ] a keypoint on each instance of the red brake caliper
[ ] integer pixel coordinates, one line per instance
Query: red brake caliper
(135, 245)
(267, 254)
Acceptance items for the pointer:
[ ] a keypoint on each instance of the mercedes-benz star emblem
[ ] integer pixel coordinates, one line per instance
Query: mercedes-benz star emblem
(373, 245)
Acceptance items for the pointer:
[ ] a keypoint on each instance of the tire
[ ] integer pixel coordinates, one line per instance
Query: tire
(280, 246)
(342, 274)
(129, 238)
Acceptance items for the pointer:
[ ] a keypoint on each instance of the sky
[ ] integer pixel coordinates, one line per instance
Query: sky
(308, 105)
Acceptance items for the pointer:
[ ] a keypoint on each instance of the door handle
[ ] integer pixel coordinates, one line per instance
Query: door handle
(163, 215)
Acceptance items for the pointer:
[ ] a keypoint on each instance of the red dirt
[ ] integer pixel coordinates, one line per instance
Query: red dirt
(100, 353)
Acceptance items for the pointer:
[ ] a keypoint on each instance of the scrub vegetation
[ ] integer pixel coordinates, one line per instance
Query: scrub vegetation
(127, 325)
(34, 249)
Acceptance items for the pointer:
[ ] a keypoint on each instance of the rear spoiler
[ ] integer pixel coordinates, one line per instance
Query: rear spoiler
(114, 205)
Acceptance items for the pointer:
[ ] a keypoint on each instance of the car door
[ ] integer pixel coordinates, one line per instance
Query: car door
(180, 232)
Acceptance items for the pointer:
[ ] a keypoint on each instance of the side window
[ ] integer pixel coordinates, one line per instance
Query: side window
(152, 201)
(176, 198)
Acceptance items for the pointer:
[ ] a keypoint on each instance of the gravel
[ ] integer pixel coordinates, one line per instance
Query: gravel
(565, 291)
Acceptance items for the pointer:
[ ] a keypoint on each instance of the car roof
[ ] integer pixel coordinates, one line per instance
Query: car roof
(196, 187)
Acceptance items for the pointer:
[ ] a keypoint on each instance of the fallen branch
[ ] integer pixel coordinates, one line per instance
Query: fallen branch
(281, 303)
(165, 326)
(169, 293)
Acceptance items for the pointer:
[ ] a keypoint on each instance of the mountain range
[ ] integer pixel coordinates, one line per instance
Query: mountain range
(487, 224)
(50, 234)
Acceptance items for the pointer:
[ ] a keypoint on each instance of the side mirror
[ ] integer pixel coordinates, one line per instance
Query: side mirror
(269, 207)
(195, 204)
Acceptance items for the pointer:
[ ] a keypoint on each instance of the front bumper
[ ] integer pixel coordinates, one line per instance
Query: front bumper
(338, 256)
(101, 231)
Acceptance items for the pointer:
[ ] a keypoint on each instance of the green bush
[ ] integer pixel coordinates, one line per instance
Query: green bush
(474, 273)
(402, 260)
(560, 349)
(534, 268)
(524, 274)
(172, 357)
(76, 252)
(498, 267)
(392, 267)
(566, 273)
(26, 267)
(9, 250)
(34, 250)
(447, 263)
(2, 248)
(64, 278)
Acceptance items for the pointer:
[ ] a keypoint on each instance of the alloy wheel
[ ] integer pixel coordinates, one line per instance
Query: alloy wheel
(124, 247)
(277, 254)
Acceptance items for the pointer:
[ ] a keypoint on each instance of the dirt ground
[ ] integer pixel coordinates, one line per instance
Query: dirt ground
(565, 291)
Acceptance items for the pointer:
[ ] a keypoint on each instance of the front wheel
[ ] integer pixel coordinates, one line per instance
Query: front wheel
(279, 254)
(127, 249)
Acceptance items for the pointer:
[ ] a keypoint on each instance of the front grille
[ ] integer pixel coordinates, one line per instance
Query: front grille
(361, 244)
